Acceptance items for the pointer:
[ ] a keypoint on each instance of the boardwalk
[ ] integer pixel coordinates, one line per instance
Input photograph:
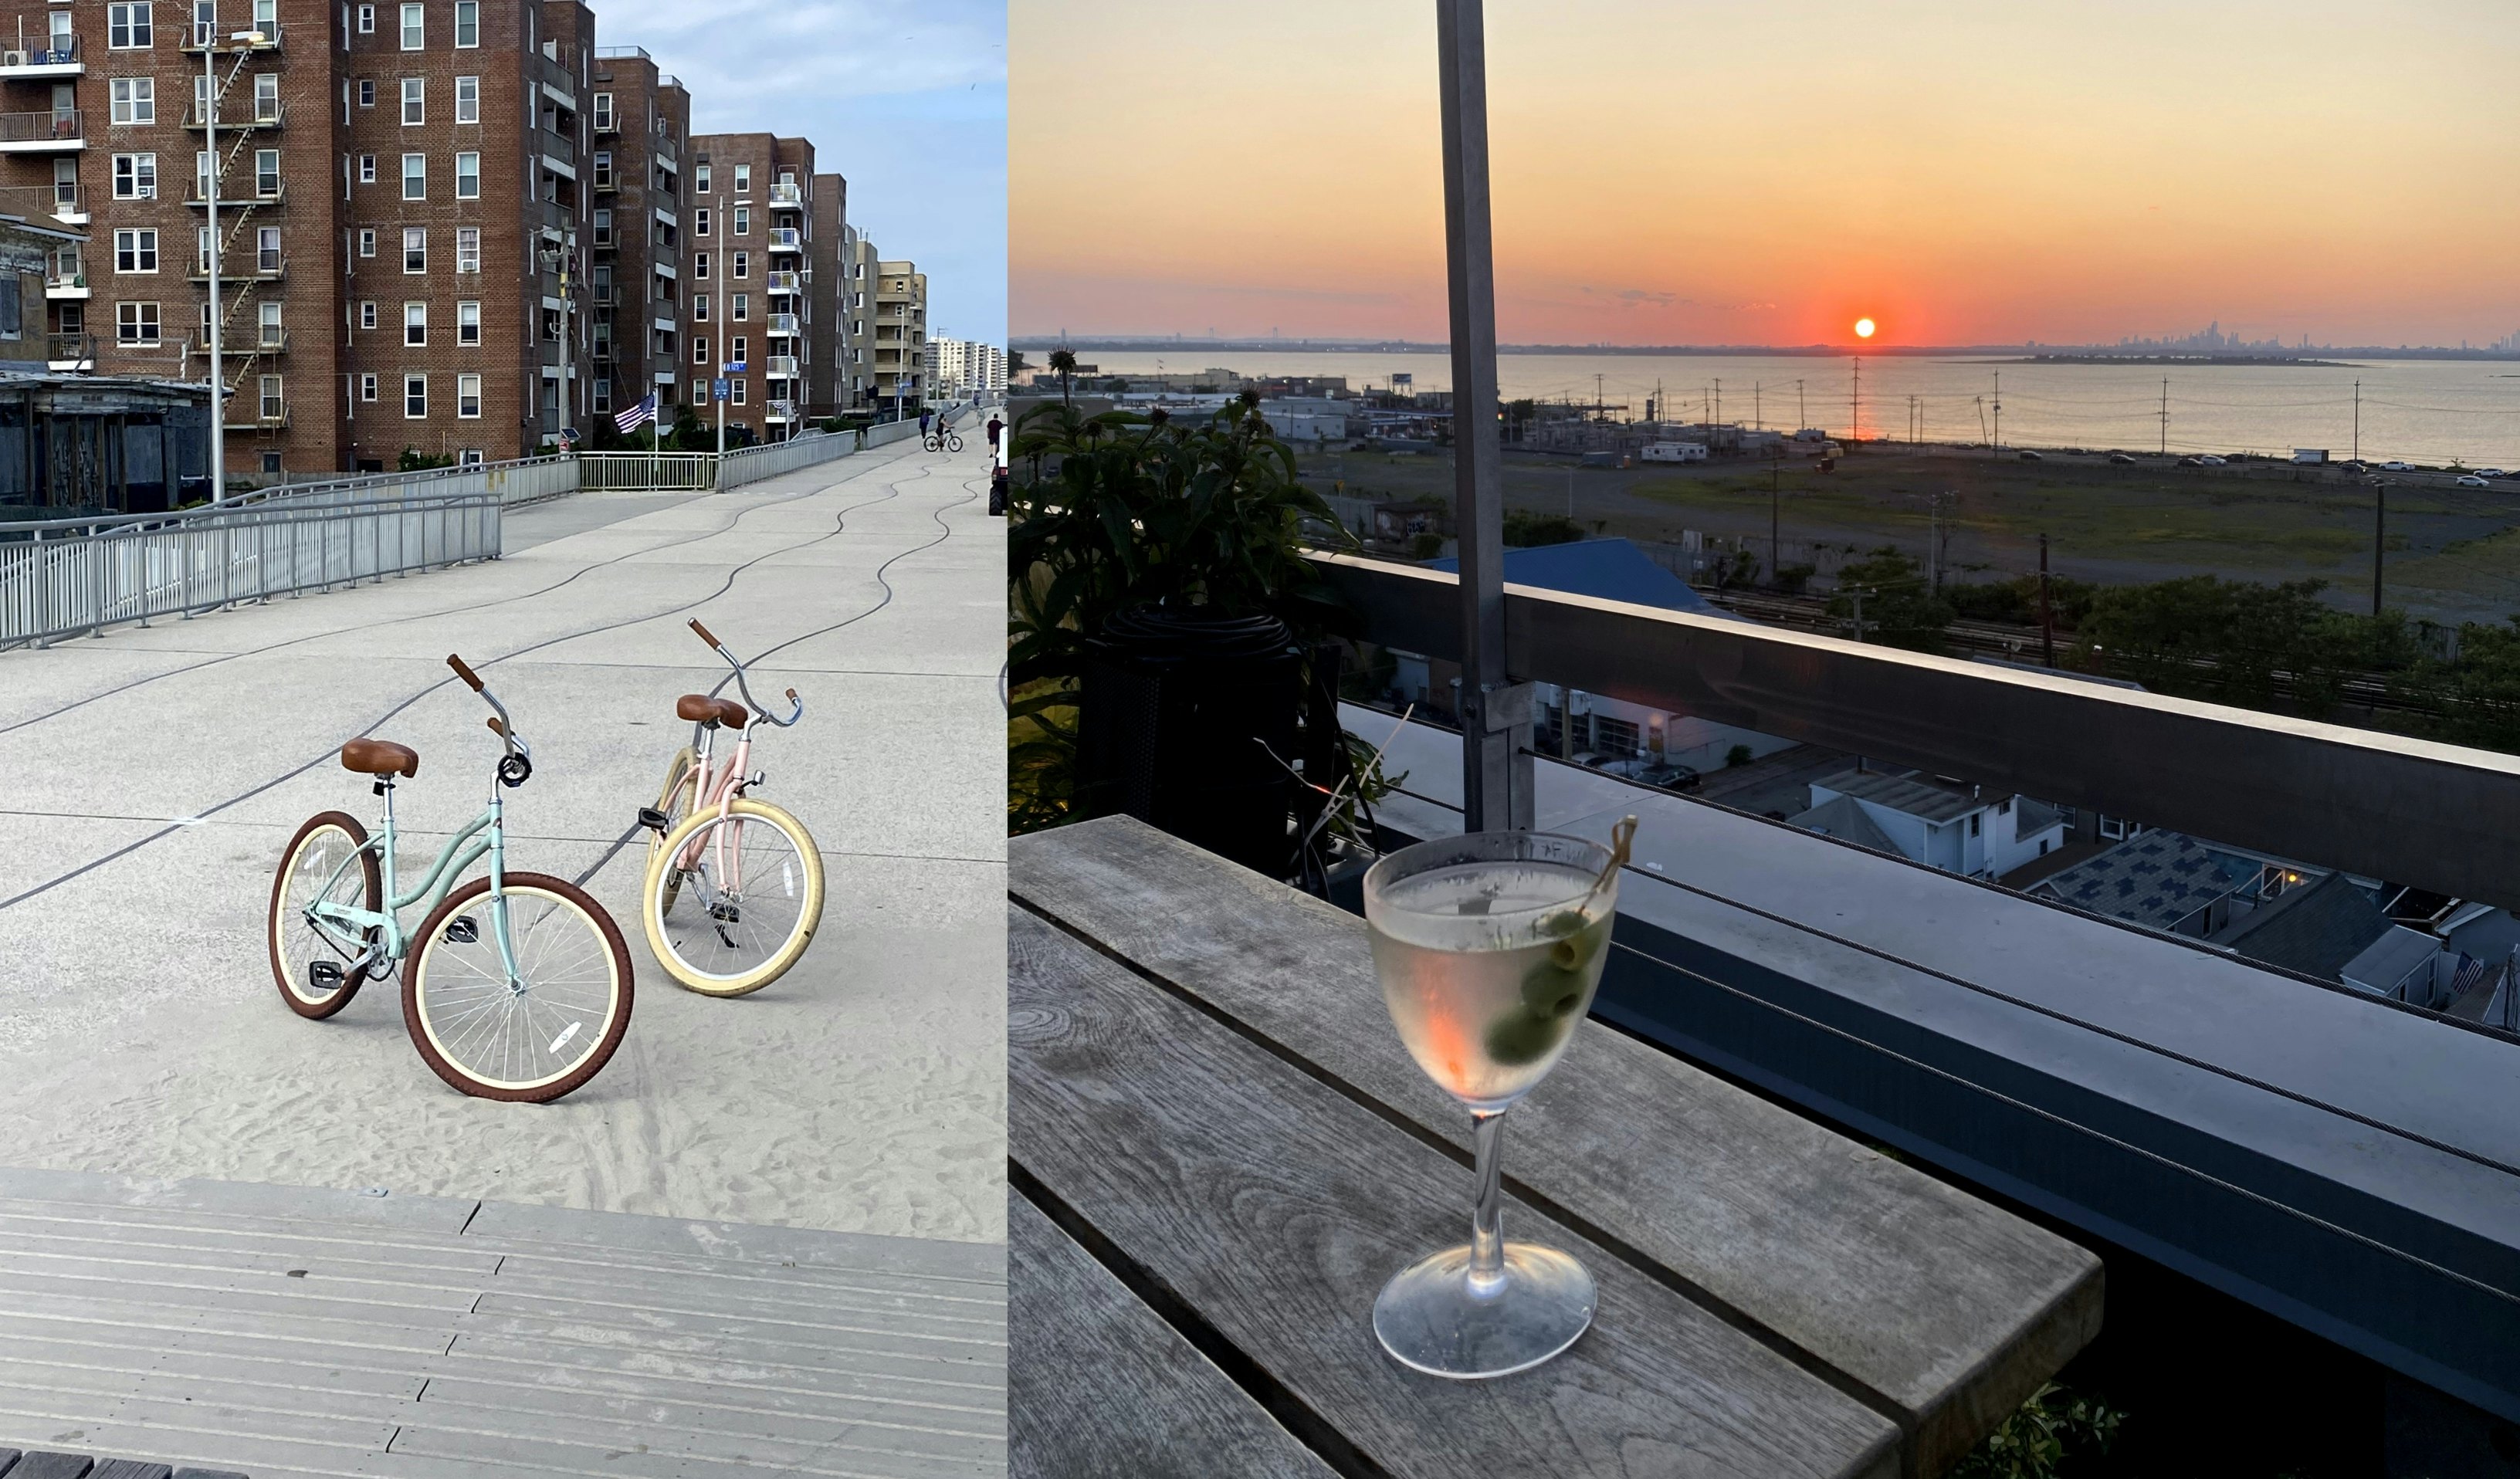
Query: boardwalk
(154, 774)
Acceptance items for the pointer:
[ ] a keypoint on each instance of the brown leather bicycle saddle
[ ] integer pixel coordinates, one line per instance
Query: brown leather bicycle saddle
(701, 708)
(379, 757)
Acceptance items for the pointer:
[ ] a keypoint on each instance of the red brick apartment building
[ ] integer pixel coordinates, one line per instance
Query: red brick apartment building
(431, 219)
(751, 262)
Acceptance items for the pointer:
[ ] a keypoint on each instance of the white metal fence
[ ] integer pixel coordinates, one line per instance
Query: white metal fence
(645, 471)
(69, 579)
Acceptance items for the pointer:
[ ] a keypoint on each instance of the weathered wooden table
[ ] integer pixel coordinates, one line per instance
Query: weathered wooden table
(1220, 1151)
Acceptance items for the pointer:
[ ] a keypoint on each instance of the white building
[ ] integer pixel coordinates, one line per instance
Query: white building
(1953, 828)
(966, 370)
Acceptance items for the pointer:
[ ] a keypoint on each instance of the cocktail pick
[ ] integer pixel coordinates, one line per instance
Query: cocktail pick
(1623, 836)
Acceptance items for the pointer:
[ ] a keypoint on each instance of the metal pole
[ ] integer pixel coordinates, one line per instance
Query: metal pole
(218, 372)
(2379, 538)
(1491, 762)
(2047, 618)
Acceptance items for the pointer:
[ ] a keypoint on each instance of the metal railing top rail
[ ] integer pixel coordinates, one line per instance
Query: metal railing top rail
(2408, 810)
(308, 493)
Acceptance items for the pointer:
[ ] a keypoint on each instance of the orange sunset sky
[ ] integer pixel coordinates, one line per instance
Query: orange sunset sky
(1731, 172)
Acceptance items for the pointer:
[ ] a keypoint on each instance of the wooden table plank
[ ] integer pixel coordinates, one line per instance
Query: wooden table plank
(1947, 1311)
(1101, 1388)
(1274, 1208)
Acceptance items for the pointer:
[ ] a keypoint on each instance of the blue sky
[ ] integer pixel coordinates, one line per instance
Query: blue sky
(913, 110)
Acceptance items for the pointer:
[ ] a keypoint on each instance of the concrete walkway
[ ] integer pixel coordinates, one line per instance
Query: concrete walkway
(154, 774)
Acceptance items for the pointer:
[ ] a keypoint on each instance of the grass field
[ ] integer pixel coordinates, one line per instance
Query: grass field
(2453, 554)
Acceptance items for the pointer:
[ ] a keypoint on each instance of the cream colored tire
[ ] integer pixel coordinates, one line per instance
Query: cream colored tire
(674, 800)
(725, 945)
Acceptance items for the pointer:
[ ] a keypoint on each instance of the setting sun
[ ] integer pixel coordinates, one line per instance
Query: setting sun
(1863, 328)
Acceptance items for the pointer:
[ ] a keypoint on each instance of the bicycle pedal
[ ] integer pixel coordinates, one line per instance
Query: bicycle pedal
(653, 820)
(463, 930)
(324, 976)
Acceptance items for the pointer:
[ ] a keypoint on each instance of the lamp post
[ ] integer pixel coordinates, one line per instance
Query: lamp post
(211, 186)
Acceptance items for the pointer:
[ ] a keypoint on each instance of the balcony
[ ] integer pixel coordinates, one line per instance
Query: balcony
(57, 289)
(201, 38)
(790, 282)
(262, 112)
(786, 239)
(254, 341)
(70, 352)
(785, 326)
(787, 197)
(56, 131)
(781, 411)
(239, 267)
(783, 367)
(59, 60)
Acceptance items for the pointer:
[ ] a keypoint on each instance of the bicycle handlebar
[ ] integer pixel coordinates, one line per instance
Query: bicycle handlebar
(461, 671)
(794, 713)
(502, 726)
(705, 634)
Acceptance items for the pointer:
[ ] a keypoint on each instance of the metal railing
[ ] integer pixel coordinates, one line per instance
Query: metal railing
(786, 239)
(65, 53)
(787, 198)
(84, 580)
(645, 471)
(53, 126)
(2411, 811)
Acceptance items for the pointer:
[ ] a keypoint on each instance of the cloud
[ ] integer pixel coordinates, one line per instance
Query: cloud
(1638, 297)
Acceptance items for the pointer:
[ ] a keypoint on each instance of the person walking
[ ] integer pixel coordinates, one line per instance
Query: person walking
(924, 414)
(997, 428)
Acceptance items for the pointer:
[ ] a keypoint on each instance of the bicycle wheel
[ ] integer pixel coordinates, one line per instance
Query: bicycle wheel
(675, 801)
(311, 871)
(756, 896)
(953, 444)
(543, 1035)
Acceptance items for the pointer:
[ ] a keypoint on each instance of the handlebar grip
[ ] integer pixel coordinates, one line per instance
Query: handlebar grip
(706, 635)
(461, 671)
(497, 728)
(792, 692)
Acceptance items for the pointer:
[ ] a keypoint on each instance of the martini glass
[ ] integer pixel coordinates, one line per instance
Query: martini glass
(1489, 947)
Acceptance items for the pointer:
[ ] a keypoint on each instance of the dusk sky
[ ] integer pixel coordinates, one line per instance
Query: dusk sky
(1671, 172)
(908, 101)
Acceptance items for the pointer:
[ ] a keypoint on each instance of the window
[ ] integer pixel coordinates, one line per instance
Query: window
(468, 396)
(126, 26)
(742, 178)
(700, 308)
(604, 228)
(266, 97)
(368, 241)
(467, 248)
(1977, 824)
(266, 251)
(267, 319)
(735, 354)
(367, 315)
(368, 27)
(467, 100)
(468, 25)
(413, 28)
(700, 352)
(604, 395)
(604, 121)
(272, 408)
(700, 222)
(134, 100)
(366, 170)
(415, 249)
(415, 102)
(467, 176)
(604, 170)
(415, 177)
(738, 384)
(471, 457)
(201, 250)
(415, 323)
(135, 177)
(699, 266)
(700, 179)
(414, 396)
(742, 220)
(739, 306)
(467, 322)
(135, 323)
(368, 387)
(266, 173)
(135, 250)
(367, 92)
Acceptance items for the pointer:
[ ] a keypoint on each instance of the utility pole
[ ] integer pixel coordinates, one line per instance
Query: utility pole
(1719, 398)
(1758, 418)
(1933, 544)
(1776, 544)
(1999, 413)
(2047, 617)
(2165, 415)
(1855, 433)
(1496, 774)
(2357, 457)
(718, 350)
(1802, 412)
(2380, 536)
(1859, 614)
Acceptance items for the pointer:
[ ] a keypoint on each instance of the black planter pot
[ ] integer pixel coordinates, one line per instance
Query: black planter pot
(1175, 709)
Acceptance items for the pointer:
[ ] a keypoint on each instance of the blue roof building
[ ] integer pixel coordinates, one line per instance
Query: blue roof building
(1610, 569)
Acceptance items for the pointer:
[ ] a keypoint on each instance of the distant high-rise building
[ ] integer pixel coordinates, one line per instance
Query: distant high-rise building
(900, 333)
(751, 248)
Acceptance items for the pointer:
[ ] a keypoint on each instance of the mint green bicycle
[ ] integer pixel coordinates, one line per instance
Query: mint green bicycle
(516, 986)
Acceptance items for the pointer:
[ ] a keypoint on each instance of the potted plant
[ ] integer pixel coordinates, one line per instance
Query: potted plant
(1166, 630)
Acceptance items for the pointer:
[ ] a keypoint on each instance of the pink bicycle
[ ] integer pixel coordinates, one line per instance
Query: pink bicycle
(734, 888)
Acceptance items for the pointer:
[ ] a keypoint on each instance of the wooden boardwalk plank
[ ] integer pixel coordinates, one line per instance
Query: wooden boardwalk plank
(1946, 1309)
(1102, 1389)
(1274, 1208)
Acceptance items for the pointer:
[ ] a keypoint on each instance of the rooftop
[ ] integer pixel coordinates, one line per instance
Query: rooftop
(1936, 801)
(2155, 880)
(2315, 928)
(1841, 818)
(1607, 569)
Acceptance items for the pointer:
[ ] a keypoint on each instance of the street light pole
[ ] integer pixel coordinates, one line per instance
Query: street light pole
(218, 372)
(1496, 765)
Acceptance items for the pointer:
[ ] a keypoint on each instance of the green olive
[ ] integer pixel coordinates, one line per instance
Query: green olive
(1573, 952)
(1551, 991)
(1522, 1037)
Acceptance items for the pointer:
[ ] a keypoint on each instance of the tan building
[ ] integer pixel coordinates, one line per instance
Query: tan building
(751, 259)
(853, 383)
(900, 336)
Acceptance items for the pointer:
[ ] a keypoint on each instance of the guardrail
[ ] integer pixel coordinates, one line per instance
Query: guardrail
(54, 586)
(645, 471)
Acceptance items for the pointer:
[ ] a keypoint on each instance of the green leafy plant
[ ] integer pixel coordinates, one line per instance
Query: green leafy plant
(2052, 1434)
(1120, 511)
(412, 460)
(1896, 609)
(1739, 754)
(1524, 529)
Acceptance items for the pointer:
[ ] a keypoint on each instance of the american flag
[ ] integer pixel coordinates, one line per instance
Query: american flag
(638, 414)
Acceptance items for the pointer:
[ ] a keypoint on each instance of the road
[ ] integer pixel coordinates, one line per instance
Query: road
(156, 772)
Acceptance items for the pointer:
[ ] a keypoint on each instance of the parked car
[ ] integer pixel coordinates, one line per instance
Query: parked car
(2030, 456)
(2191, 462)
(2208, 460)
(2492, 473)
(2472, 480)
(2396, 466)
(2122, 460)
(1675, 778)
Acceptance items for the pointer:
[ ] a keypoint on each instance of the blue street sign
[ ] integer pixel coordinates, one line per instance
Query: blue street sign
(736, 368)
(721, 390)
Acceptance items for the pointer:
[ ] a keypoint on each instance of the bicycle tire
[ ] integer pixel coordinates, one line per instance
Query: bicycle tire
(426, 945)
(809, 918)
(674, 800)
(953, 444)
(331, 822)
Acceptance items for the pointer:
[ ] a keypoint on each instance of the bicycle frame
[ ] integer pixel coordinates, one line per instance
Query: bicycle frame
(452, 862)
(715, 788)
